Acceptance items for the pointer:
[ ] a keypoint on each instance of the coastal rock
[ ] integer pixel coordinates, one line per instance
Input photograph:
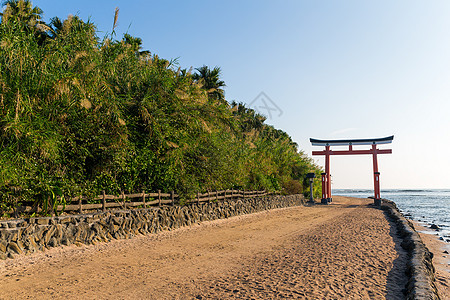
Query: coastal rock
(435, 227)
(421, 281)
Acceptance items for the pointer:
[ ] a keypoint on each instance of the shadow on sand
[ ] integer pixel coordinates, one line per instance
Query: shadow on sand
(397, 278)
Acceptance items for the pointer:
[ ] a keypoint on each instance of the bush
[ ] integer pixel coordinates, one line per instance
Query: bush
(293, 187)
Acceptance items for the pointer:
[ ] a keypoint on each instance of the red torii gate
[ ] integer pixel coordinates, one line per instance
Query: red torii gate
(326, 180)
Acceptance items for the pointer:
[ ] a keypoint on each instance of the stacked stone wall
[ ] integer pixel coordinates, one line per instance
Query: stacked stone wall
(25, 236)
(420, 269)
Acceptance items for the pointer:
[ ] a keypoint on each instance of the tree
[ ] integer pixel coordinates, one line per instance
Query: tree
(23, 12)
(210, 80)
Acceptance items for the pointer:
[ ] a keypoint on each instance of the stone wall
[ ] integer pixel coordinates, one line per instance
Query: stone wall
(24, 236)
(420, 269)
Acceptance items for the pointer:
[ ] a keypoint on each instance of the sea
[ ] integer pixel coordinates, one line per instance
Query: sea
(426, 206)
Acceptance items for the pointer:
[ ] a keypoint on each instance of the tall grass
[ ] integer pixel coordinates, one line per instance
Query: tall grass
(80, 114)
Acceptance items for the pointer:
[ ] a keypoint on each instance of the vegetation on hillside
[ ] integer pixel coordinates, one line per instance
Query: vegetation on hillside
(81, 114)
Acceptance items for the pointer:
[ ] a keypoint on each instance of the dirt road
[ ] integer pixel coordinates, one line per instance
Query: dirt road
(344, 250)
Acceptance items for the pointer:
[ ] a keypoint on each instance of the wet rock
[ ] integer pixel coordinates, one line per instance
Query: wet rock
(434, 226)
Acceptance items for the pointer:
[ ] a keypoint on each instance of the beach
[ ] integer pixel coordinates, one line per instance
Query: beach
(346, 250)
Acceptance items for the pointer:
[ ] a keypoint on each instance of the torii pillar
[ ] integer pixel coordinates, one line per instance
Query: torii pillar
(326, 177)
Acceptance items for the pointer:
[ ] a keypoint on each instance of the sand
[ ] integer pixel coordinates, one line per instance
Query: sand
(346, 250)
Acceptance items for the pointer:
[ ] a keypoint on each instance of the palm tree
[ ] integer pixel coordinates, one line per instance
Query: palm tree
(24, 12)
(210, 79)
(56, 27)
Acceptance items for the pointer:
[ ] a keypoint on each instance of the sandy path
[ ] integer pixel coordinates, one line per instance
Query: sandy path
(344, 250)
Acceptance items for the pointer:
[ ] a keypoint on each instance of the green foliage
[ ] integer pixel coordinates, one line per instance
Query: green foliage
(79, 115)
(293, 187)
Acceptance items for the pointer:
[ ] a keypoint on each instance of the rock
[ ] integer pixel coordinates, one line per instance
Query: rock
(30, 244)
(117, 221)
(3, 247)
(53, 242)
(49, 234)
(14, 247)
(14, 235)
(28, 230)
(65, 241)
(446, 252)
(42, 221)
(434, 226)
(90, 236)
(20, 244)
(12, 224)
(66, 220)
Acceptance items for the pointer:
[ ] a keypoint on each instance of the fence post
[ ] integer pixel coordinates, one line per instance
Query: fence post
(172, 196)
(159, 198)
(198, 198)
(80, 204)
(123, 200)
(143, 198)
(232, 194)
(217, 195)
(225, 195)
(209, 196)
(103, 201)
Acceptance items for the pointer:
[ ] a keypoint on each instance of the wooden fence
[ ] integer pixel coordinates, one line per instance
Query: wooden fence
(143, 199)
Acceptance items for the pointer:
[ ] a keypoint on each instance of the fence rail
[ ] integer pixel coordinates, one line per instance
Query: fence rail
(143, 199)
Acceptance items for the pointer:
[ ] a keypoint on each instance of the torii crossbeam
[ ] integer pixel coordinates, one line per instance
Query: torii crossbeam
(326, 177)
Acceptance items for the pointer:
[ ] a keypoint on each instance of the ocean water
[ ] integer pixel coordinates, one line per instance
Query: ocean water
(425, 206)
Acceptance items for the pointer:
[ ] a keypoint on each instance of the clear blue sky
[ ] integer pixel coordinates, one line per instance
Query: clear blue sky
(336, 69)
